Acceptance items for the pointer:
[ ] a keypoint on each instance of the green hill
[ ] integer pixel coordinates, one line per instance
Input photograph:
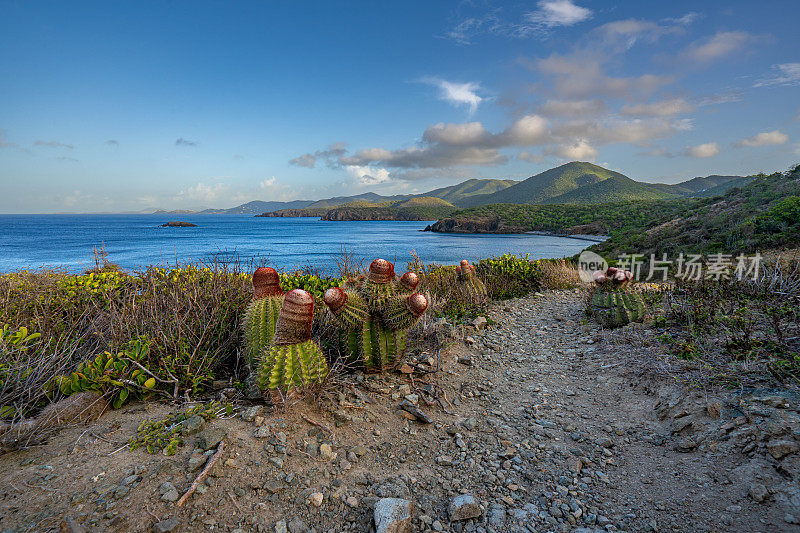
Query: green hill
(704, 187)
(556, 184)
(469, 188)
(424, 201)
(615, 188)
(764, 214)
(369, 197)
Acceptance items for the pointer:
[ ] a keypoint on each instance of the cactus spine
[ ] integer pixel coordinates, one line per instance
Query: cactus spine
(613, 304)
(375, 313)
(261, 314)
(293, 360)
(469, 285)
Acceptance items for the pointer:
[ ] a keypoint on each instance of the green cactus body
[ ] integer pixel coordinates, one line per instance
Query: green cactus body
(354, 313)
(375, 313)
(377, 294)
(378, 347)
(469, 285)
(396, 315)
(289, 366)
(259, 326)
(613, 308)
(472, 287)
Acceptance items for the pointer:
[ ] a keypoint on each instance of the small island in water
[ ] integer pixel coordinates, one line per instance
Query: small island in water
(178, 224)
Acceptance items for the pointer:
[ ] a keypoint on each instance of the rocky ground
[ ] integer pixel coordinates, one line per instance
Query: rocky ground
(538, 423)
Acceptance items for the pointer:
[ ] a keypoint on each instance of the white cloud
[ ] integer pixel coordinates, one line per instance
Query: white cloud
(204, 192)
(268, 183)
(550, 14)
(580, 149)
(765, 138)
(530, 158)
(365, 175)
(613, 130)
(721, 98)
(329, 156)
(674, 106)
(581, 75)
(458, 94)
(719, 45)
(703, 150)
(530, 130)
(558, 13)
(469, 133)
(686, 19)
(448, 145)
(789, 74)
(305, 160)
(572, 107)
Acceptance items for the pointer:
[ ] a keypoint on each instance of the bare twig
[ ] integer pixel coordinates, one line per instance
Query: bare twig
(321, 426)
(199, 479)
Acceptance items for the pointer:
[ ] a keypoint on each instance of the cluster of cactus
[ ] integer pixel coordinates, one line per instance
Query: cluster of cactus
(277, 331)
(469, 285)
(375, 313)
(612, 303)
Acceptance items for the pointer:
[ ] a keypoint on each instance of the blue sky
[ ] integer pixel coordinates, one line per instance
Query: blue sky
(112, 106)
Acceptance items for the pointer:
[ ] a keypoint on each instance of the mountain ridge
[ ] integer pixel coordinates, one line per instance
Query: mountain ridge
(575, 182)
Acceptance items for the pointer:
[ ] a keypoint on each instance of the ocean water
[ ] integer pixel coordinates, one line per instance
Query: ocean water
(132, 241)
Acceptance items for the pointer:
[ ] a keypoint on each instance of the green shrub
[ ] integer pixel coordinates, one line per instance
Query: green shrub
(509, 276)
(116, 375)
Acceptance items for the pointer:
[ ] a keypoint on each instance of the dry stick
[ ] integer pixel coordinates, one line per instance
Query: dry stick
(322, 426)
(211, 462)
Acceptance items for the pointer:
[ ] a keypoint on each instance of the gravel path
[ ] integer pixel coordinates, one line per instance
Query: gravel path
(546, 427)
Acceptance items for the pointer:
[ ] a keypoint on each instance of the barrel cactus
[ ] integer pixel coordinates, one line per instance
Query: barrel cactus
(613, 303)
(293, 360)
(469, 285)
(375, 313)
(261, 314)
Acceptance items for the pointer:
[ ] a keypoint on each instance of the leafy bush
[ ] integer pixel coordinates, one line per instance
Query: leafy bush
(311, 283)
(121, 376)
(509, 276)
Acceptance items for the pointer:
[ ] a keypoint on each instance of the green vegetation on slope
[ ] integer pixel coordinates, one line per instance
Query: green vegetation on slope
(473, 187)
(414, 211)
(551, 184)
(558, 218)
(762, 215)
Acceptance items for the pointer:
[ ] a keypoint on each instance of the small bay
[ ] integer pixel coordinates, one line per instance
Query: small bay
(134, 241)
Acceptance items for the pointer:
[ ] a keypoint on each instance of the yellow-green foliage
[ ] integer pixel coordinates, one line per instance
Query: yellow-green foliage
(17, 339)
(92, 284)
(116, 374)
(309, 283)
(509, 276)
(158, 435)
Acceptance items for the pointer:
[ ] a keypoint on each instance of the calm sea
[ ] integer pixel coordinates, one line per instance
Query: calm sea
(32, 241)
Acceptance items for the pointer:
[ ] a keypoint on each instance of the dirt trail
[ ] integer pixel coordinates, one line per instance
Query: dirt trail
(545, 424)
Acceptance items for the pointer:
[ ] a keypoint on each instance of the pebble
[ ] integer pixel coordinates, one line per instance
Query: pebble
(166, 526)
(464, 507)
(393, 515)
